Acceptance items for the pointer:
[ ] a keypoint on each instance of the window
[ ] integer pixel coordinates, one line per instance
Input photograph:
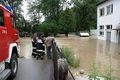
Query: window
(102, 11)
(109, 27)
(110, 9)
(101, 33)
(101, 26)
(1, 18)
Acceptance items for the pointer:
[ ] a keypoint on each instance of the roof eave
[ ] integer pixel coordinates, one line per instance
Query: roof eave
(102, 2)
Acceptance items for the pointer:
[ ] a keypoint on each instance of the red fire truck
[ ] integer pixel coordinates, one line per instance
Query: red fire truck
(8, 44)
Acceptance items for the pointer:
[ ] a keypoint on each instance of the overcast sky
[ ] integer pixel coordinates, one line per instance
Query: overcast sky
(25, 10)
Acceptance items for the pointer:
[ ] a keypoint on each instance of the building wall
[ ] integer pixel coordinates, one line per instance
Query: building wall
(93, 33)
(111, 19)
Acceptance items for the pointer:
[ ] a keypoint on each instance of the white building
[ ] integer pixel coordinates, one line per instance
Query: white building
(108, 20)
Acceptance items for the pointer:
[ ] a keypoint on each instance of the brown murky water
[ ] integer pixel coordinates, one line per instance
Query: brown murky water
(87, 50)
(25, 47)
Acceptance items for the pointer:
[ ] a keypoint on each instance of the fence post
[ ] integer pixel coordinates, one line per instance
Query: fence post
(60, 64)
(55, 58)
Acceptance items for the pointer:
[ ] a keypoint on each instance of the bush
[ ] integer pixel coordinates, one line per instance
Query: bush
(73, 62)
(93, 74)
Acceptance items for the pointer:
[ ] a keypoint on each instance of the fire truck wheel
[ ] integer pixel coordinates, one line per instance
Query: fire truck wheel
(13, 66)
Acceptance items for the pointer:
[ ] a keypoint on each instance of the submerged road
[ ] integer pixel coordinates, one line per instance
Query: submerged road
(30, 68)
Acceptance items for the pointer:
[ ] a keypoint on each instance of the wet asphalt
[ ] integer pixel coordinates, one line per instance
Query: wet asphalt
(30, 68)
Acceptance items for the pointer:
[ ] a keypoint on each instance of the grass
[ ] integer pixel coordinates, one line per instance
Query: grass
(69, 55)
(109, 71)
(93, 74)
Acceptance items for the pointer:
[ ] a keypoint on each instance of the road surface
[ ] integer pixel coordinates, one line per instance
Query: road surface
(30, 68)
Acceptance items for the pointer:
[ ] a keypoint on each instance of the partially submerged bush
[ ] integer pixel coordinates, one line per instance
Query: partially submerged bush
(68, 54)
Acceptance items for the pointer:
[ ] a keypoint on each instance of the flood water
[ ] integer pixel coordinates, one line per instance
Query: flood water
(87, 50)
(25, 47)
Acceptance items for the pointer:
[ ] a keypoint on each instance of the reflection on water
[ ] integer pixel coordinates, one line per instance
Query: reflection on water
(108, 54)
(87, 50)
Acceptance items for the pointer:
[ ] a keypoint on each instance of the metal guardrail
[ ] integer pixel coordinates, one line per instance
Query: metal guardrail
(60, 64)
(71, 74)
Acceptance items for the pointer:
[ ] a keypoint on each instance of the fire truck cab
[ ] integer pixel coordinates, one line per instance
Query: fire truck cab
(8, 44)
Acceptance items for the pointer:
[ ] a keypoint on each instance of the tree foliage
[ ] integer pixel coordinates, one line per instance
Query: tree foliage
(51, 10)
(47, 28)
(17, 11)
(66, 21)
(81, 17)
(86, 14)
(34, 11)
(48, 8)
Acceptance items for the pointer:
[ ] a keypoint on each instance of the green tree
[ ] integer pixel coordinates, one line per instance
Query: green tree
(34, 11)
(1, 2)
(92, 16)
(81, 16)
(66, 21)
(49, 8)
(86, 14)
(16, 5)
(47, 28)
